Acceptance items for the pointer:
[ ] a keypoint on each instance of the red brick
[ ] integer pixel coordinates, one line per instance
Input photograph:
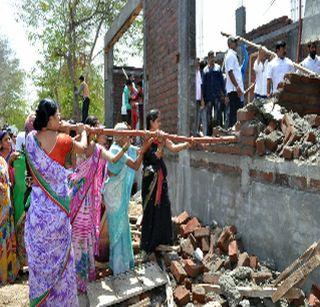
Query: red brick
(244, 115)
(181, 295)
(233, 251)
(190, 227)
(249, 129)
(287, 153)
(313, 301)
(310, 137)
(254, 261)
(298, 182)
(225, 238)
(261, 176)
(261, 277)
(198, 295)
(261, 146)
(211, 278)
(315, 289)
(202, 232)
(244, 260)
(314, 184)
(237, 126)
(271, 143)
(296, 152)
(192, 269)
(205, 247)
(182, 218)
(178, 271)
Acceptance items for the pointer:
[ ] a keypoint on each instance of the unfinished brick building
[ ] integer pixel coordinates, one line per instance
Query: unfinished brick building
(273, 202)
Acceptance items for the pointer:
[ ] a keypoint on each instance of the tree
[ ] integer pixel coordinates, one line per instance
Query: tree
(69, 31)
(13, 109)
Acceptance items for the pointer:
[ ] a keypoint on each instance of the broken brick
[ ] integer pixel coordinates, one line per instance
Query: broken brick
(310, 137)
(182, 218)
(205, 245)
(233, 251)
(261, 146)
(190, 227)
(287, 153)
(202, 232)
(181, 295)
(198, 294)
(192, 269)
(226, 237)
(296, 152)
(244, 260)
(271, 127)
(261, 277)
(178, 271)
(211, 278)
(254, 262)
(187, 283)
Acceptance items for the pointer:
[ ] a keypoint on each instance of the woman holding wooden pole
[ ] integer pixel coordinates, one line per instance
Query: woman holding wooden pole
(156, 222)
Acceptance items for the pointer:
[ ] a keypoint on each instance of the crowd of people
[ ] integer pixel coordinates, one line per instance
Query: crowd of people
(220, 86)
(54, 190)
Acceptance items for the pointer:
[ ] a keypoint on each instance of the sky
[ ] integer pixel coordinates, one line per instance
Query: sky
(216, 16)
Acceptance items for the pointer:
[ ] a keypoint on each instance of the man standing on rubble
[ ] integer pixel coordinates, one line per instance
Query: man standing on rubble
(234, 83)
(278, 68)
(312, 61)
(260, 68)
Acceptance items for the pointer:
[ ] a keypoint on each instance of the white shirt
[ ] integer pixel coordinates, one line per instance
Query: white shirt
(312, 64)
(277, 69)
(261, 71)
(231, 63)
(123, 105)
(198, 85)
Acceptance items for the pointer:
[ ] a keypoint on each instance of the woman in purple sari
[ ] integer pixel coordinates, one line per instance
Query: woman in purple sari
(52, 278)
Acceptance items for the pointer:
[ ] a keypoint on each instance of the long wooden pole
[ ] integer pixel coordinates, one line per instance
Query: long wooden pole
(266, 50)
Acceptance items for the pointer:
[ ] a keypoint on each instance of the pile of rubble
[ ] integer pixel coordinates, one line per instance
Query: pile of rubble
(208, 266)
(266, 128)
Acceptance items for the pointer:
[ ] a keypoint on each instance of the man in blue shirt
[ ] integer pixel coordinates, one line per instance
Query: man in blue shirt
(214, 92)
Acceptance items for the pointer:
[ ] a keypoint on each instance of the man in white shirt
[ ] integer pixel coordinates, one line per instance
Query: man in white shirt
(200, 117)
(312, 61)
(234, 83)
(278, 68)
(260, 68)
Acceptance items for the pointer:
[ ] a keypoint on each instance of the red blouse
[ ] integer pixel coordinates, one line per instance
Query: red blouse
(61, 149)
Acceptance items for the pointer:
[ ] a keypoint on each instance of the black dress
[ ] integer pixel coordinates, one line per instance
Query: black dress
(156, 222)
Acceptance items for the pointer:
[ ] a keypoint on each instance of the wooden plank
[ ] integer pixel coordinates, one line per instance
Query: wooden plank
(122, 23)
(296, 277)
(255, 292)
(298, 262)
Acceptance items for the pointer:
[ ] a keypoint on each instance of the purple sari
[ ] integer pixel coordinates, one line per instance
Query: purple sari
(52, 278)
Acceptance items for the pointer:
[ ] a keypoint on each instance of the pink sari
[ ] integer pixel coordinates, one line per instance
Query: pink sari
(85, 206)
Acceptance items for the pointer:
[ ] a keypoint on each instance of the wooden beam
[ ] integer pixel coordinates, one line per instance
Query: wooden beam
(122, 23)
(296, 277)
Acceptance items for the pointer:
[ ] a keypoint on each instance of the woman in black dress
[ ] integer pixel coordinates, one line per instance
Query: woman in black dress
(156, 223)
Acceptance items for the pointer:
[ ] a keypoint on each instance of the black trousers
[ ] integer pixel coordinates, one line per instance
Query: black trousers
(234, 104)
(85, 108)
(141, 116)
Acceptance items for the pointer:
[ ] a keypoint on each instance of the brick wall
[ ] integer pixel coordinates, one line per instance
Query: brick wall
(118, 83)
(162, 59)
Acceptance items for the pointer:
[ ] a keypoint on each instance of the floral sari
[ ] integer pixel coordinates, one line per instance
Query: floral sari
(52, 278)
(86, 185)
(116, 193)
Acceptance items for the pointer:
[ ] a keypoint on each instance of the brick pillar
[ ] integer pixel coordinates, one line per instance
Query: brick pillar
(108, 89)
(145, 75)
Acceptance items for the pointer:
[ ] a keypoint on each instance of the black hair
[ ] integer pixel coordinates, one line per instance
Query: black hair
(139, 83)
(310, 44)
(46, 108)
(152, 116)
(3, 133)
(92, 121)
(81, 78)
(210, 54)
(128, 82)
(280, 44)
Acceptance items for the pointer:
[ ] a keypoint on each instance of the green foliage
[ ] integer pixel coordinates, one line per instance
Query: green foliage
(13, 108)
(69, 31)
